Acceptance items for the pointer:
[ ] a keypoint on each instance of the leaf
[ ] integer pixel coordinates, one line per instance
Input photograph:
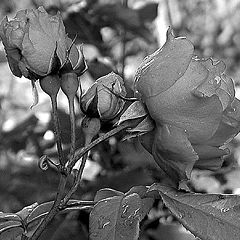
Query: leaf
(134, 111)
(116, 218)
(146, 125)
(147, 202)
(173, 152)
(140, 190)
(39, 212)
(9, 217)
(208, 216)
(10, 230)
(26, 211)
(36, 216)
(131, 135)
(106, 193)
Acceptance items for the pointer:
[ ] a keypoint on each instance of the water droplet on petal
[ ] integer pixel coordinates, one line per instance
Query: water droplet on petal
(128, 222)
(198, 94)
(181, 215)
(136, 212)
(124, 211)
(217, 79)
(224, 210)
(93, 235)
(103, 222)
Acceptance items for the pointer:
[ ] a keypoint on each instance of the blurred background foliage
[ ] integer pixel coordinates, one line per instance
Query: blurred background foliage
(116, 35)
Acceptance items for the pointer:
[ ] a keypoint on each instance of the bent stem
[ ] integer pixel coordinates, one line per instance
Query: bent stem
(76, 181)
(53, 211)
(79, 153)
(91, 129)
(63, 179)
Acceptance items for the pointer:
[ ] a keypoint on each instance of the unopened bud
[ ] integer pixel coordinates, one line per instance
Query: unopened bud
(75, 62)
(103, 99)
(69, 84)
(50, 85)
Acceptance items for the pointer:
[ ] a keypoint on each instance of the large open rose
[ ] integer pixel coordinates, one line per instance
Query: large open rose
(193, 105)
(35, 43)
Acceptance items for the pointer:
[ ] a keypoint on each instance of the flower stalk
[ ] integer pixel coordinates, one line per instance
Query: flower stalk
(91, 127)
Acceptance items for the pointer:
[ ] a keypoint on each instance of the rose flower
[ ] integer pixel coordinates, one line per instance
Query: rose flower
(35, 43)
(193, 105)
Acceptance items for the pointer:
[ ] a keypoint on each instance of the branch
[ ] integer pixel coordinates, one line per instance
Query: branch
(76, 181)
(53, 211)
(63, 179)
(81, 152)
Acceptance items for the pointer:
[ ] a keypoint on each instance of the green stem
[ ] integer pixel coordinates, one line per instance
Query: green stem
(79, 153)
(79, 203)
(53, 211)
(63, 179)
(76, 181)
(57, 131)
(73, 127)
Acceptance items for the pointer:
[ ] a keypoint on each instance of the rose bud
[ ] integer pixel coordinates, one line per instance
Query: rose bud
(35, 43)
(75, 61)
(193, 105)
(102, 99)
(74, 66)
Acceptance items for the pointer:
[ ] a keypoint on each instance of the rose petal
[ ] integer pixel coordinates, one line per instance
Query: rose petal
(60, 36)
(164, 67)
(228, 95)
(38, 48)
(216, 83)
(208, 152)
(147, 140)
(173, 152)
(74, 52)
(212, 82)
(200, 116)
(212, 164)
(229, 127)
(13, 54)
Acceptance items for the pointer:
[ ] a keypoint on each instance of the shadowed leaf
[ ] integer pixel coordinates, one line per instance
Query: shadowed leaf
(208, 216)
(10, 230)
